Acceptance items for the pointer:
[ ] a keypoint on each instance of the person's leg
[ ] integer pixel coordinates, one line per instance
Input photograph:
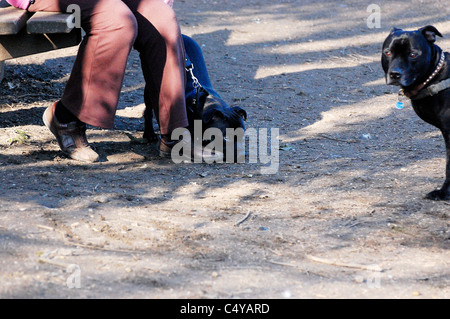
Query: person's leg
(162, 55)
(93, 89)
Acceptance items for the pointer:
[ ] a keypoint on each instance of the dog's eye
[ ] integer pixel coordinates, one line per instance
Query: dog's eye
(413, 55)
(388, 53)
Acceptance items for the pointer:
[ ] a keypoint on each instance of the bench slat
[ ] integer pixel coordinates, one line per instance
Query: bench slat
(12, 20)
(43, 32)
(23, 44)
(50, 22)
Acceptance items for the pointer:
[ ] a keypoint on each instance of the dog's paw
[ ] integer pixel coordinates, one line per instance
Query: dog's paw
(151, 138)
(438, 195)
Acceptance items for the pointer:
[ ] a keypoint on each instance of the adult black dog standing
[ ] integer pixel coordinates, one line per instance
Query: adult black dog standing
(413, 61)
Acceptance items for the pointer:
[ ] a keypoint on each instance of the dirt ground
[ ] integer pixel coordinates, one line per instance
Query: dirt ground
(343, 217)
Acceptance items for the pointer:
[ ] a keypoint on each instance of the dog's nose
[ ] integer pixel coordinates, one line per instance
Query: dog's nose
(395, 74)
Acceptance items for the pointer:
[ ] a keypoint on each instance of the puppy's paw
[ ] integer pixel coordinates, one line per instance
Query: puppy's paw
(151, 138)
(438, 195)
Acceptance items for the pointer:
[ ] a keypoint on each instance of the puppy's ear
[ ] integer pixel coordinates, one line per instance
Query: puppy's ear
(241, 112)
(209, 115)
(430, 33)
(394, 29)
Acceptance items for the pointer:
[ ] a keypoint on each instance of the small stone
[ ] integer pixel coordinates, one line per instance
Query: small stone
(101, 199)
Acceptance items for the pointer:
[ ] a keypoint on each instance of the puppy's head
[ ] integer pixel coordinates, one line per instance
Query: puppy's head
(222, 117)
(408, 56)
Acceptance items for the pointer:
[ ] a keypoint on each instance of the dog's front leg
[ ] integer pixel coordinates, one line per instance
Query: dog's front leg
(149, 131)
(444, 192)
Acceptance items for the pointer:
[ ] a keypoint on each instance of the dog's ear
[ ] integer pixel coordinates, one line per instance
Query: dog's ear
(240, 111)
(209, 115)
(394, 29)
(430, 33)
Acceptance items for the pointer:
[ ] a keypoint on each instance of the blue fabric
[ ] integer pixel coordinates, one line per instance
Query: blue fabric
(194, 56)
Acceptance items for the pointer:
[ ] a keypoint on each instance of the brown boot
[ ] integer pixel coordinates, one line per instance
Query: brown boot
(166, 144)
(71, 137)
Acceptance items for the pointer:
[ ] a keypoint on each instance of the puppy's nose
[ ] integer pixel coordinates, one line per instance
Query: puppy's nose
(395, 74)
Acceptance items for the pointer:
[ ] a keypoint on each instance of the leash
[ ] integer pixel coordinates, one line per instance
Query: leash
(198, 88)
(190, 69)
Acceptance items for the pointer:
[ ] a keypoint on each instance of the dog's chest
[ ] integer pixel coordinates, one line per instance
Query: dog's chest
(434, 110)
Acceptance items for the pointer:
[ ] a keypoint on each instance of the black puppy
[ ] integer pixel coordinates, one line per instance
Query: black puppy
(412, 61)
(202, 101)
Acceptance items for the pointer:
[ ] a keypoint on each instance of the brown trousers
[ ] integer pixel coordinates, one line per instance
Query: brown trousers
(112, 28)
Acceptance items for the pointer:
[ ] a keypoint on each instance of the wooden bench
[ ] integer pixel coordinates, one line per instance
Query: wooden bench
(23, 33)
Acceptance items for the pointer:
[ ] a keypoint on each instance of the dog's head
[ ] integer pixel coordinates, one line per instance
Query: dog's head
(217, 115)
(408, 56)
(220, 116)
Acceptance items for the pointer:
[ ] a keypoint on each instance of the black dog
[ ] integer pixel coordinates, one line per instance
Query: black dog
(202, 101)
(412, 61)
